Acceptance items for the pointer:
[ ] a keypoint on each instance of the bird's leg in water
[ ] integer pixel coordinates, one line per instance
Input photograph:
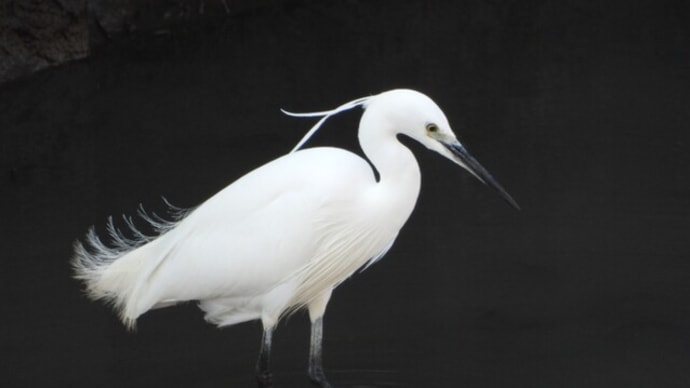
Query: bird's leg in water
(316, 374)
(263, 373)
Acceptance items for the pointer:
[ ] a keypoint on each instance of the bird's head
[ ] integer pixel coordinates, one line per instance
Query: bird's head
(413, 114)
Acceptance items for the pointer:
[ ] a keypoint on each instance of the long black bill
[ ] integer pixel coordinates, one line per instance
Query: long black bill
(479, 171)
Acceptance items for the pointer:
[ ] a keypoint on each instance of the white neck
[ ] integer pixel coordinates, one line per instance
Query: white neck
(399, 175)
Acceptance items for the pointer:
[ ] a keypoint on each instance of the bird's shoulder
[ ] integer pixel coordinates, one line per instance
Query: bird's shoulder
(317, 166)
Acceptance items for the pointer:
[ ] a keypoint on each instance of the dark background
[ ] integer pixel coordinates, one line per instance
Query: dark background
(580, 109)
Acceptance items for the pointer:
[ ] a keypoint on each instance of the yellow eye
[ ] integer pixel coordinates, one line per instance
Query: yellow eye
(432, 128)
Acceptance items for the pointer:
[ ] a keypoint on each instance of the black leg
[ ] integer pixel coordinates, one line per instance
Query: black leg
(316, 374)
(263, 373)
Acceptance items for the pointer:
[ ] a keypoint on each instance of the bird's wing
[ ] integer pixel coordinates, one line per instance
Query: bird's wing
(262, 229)
(239, 251)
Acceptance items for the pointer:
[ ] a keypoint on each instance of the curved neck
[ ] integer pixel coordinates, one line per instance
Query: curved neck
(397, 167)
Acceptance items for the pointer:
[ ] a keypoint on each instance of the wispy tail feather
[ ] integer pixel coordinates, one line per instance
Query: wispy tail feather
(114, 272)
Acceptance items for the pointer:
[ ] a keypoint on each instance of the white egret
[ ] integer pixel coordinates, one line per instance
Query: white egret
(286, 234)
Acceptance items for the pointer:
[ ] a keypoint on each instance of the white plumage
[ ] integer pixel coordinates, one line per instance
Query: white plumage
(284, 235)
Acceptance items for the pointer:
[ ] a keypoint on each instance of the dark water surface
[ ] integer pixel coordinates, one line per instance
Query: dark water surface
(581, 109)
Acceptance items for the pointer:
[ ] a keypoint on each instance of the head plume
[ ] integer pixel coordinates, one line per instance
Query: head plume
(325, 115)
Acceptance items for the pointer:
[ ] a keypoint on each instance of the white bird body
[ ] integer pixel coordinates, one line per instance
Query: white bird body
(242, 258)
(285, 234)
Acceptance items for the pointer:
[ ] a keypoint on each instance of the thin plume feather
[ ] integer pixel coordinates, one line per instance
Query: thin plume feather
(344, 251)
(325, 115)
